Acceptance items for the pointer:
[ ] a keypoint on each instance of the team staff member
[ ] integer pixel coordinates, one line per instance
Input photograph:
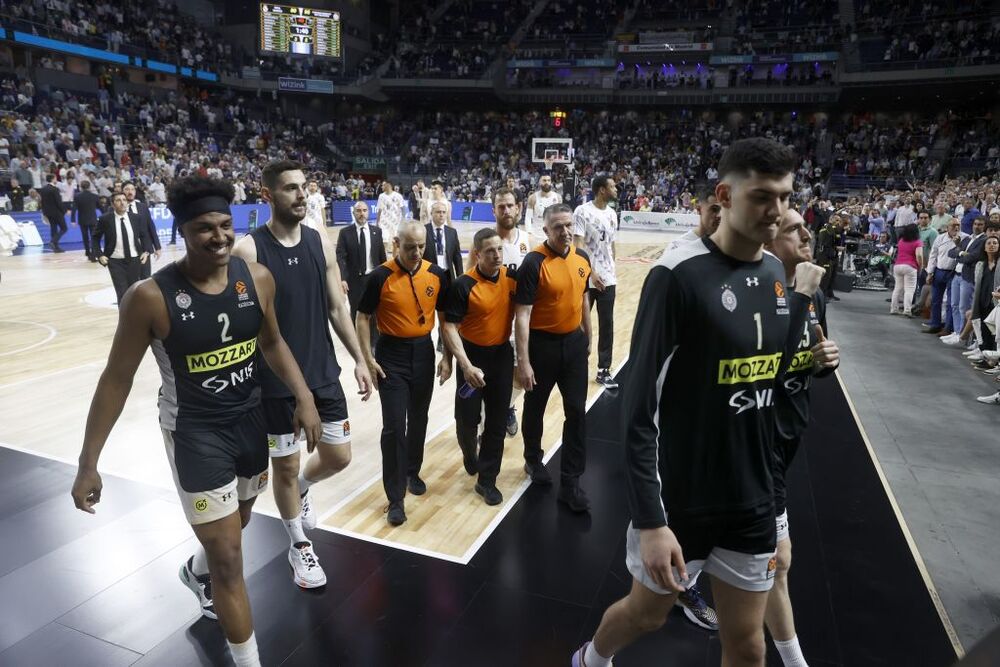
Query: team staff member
(595, 226)
(141, 211)
(307, 302)
(124, 245)
(815, 356)
(205, 330)
(553, 343)
(714, 323)
(403, 294)
(359, 250)
(477, 327)
(52, 209)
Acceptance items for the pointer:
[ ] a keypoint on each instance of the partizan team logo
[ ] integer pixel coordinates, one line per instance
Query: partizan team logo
(183, 300)
(728, 298)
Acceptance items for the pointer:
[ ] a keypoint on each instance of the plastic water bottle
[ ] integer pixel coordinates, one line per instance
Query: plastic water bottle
(466, 390)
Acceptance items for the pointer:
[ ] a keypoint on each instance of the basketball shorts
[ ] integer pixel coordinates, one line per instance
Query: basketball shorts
(332, 407)
(781, 523)
(213, 470)
(743, 558)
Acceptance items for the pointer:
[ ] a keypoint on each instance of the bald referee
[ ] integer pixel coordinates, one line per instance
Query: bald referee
(478, 319)
(403, 294)
(553, 343)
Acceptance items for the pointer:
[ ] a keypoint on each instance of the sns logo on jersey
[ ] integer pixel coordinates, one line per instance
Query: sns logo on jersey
(749, 369)
(745, 399)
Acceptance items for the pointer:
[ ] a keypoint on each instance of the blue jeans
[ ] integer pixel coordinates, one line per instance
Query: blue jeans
(954, 303)
(968, 289)
(939, 286)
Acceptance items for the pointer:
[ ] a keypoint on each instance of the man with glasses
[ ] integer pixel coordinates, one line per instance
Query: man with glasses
(403, 294)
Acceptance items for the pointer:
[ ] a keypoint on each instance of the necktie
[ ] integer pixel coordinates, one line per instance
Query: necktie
(125, 244)
(362, 250)
(440, 243)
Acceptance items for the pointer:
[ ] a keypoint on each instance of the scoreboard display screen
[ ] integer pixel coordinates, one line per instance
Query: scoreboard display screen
(299, 30)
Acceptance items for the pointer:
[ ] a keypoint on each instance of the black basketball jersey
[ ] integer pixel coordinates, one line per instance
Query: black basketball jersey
(208, 361)
(791, 398)
(698, 419)
(301, 306)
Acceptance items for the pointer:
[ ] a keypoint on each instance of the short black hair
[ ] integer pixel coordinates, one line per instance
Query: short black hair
(504, 190)
(50, 178)
(991, 225)
(275, 168)
(437, 182)
(482, 236)
(704, 191)
(758, 155)
(910, 232)
(185, 190)
(598, 182)
(85, 185)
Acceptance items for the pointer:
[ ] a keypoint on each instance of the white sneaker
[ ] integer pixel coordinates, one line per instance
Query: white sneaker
(992, 399)
(991, 355)
(950, 338)
(306, 569)
(993, 371)
(975, 356)
(969, 353)
(309, 517)
(955, 342)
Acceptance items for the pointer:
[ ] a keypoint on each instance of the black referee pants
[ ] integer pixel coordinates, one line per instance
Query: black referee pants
(497, 364)
(558, 359)
(605, 323)
(405, 394)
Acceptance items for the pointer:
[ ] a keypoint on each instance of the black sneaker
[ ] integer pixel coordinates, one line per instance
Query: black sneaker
(538, 474)
(200, 586)
(512, 422)
(605, 378)
(395, 515)
(416, 485)
(574, 498)
(697, 610)
(490, 493)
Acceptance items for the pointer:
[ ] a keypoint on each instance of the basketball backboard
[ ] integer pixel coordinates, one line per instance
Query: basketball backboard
(553, 150)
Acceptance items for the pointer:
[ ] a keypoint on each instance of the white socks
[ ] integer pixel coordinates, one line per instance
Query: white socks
(199, 564)
(245, 653)
(591, 658)
(304, 484)
(791, 654)
(294, 528)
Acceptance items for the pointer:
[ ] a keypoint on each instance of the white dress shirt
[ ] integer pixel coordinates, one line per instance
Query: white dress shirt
(939, 258)
(119, 251)
(363, 232)
(443, 255)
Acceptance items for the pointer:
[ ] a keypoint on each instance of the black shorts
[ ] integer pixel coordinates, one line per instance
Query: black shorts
(332, 407)
(754, 535)
(784, 452)
(214, 469)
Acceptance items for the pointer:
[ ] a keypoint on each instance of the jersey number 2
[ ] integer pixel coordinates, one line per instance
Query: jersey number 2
(224, 320)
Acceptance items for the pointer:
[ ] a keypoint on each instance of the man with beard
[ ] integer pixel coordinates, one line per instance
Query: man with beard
(595, 228)
(308, 299)
(205, 318)
(516, 244)
(540, 200)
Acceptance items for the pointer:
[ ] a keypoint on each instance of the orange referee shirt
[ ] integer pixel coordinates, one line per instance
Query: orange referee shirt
(553, 285)
(482, 307)
(404, 303)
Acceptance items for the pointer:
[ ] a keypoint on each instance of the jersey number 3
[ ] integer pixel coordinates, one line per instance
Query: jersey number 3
(224, 321)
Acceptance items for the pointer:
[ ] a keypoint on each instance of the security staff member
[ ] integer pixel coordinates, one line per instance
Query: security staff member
(85, 214)
(403, 294)
(478, 319)
(553, 343)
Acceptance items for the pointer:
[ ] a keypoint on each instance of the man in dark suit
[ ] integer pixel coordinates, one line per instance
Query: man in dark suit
(52, 209)
(124, 245)
(359, 250)
(442, 242)
(85, 214)
(141, 211)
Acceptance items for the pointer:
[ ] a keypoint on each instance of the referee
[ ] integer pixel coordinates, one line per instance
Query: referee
(403, 294)
(478, 319)
(553, 343)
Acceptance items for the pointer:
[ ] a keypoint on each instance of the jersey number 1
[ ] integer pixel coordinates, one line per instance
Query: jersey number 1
(224, 320)
(760, 331)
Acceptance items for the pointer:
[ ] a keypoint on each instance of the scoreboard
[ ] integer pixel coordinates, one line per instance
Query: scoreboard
(300, 30)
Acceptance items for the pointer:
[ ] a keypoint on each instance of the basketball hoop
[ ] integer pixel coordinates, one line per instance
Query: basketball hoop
(548, 165)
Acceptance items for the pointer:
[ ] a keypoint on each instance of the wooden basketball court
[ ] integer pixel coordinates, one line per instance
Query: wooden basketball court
(56, 331)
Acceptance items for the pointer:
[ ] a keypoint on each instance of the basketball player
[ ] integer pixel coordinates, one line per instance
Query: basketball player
(315, 209)
(815, 357)
(540, 200)
(390, 213)
(516, 244)
(307, 278)
(709, 217)
(595, 227)
(437, 194)
(712, 326)
(205, 316)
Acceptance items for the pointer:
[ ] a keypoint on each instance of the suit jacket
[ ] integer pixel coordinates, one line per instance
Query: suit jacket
(146, 217)
(452, 250)
(85, 208)
(351, 270)
(52, 205)
(106, 236)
